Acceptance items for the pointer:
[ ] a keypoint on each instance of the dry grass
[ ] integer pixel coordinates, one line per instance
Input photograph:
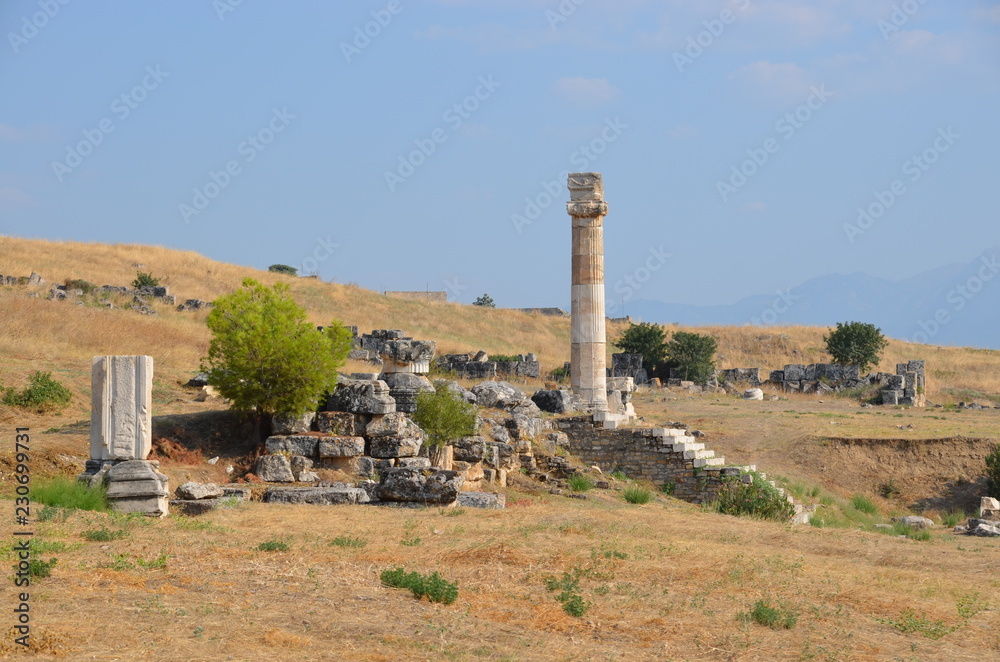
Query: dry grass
(677, 593)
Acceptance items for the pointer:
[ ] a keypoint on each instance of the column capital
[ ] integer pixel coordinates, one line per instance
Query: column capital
(587, 208)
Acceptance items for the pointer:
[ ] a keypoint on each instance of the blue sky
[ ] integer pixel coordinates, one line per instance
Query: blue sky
(413, 145)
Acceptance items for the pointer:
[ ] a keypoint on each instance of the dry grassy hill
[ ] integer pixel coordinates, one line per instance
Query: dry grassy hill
(663, 581)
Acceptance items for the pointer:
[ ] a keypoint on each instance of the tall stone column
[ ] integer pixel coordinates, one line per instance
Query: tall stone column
(588, 375)
(121, 407)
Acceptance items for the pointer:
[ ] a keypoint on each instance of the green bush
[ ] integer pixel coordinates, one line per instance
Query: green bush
(42, 394)
(266, 357)
(39, 568)
(864, 504)
(433, 586)
(504, 358)
(444, 415)
(569, 587)
(773, 617)
(485, 301)
(65, 492)
(273, 546)
(856, 343)
(693, 355)
(649, 340)
(993, 472)
(144, 280)
(758, 498)
(636, 494)
(283, 269)
(580, 483)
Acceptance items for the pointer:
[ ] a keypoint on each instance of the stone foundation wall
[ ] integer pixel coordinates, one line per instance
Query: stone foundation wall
(649, 454)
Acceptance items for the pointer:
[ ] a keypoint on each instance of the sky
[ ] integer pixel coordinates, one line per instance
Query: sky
(746, 146)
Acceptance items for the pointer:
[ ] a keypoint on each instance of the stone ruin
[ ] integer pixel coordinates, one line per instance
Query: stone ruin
(121, 436)
(477, 365)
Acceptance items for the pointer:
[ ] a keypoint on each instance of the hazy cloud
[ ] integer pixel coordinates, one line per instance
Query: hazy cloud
(581, 91)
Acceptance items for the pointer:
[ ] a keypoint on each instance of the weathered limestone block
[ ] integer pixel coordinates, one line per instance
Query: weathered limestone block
(274, 469)
(404, 387)
(135, 486)
(195, 491)
(121, 407)
(498, 395)
(795, 372)
(891, 396)
(302, 469)
(361, 397)
(421, 486)
(415, 462)
(470, 449)
(340, 446)
(405, 355)
(391, 447)
(989, 508)
(338, 423)
(776, 376)
(554, 402)
(292, 423)
(320, 496)
(395, 424)
(300, 444)
(484, 500)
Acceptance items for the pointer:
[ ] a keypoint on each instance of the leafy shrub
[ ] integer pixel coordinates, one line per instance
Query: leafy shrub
(433, 586)
(283, 269)
(485, 301)
(560, 374)
(444, 415)
(993, 472)
(39, 568)
(618, 474)
(649, 340)
(266, 357)
(348, 541)
(65, 492)
(888, 489)
(864, 504)
(273, 546)
(580, 483)
(668, 488)
(758, 498)
(636, 494)
(773, 617)
(103, 534)
(42, 394)
(953, 518)
(569, 587)
(693, 355)
(856, 343)
(143, 281)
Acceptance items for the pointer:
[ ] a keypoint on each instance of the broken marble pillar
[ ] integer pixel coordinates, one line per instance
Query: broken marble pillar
(121, 407)
(406, 356)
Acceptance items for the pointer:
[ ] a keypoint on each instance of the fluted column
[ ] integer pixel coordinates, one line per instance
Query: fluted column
(587, 353)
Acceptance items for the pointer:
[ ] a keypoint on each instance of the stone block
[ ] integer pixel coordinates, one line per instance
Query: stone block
(274, 469)
(304, 445)
(484, 500)
(776, 376)
(554, 402)
(361, 397)
(915, 366)
(791, 387)
(415, 462)
(404, 387)
(470, 449)
(794, 372)
(195, 491)
(338, 423)
(392, 447)
(292, 423)
(415, 485)
(340, 446)
(891, 396)
(121, 407)
(136, 486)
(320, 496)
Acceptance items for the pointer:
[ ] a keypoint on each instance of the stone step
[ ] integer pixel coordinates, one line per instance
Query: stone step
(710, 462)
(669, 432)
(688, 446)
(698, 455)
(749, 467)
(610, 425)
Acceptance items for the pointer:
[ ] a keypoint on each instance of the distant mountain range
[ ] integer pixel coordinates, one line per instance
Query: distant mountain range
(957, 304)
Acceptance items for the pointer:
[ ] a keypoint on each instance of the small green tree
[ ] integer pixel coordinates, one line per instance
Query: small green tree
(856, 343)
(650, 341)
(486, 301)
(144, 280)
(444, 415)
(693, 355)
(993, 472)
(283, 269)
(266, 357)
(42, 394)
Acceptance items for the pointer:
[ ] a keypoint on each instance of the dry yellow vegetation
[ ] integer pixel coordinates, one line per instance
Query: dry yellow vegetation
(665, 581)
